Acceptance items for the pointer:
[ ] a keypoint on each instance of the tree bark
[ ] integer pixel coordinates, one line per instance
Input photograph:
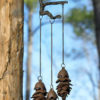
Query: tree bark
(11, 49)
(96, 4)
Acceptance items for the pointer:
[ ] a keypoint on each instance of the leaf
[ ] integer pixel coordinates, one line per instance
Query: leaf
(31, 4)
(81, 20)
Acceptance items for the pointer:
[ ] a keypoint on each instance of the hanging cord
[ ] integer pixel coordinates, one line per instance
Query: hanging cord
(40, 77)
(63, 64)
(52, 22)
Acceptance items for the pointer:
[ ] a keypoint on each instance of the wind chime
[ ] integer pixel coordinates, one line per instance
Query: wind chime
(64, 83)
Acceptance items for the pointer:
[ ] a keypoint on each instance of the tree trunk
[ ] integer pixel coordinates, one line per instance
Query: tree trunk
(96, 4)
(11, 49)
(99, 91)
(28, 80)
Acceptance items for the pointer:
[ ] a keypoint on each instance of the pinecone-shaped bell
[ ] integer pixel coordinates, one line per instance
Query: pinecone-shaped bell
(52, 95)
(63, 88)
(40, 91)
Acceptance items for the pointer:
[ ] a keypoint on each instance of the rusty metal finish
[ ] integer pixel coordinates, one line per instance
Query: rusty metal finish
(44, 4)
(52, 95)
(40, 93)
(55, 3)
(64, 86)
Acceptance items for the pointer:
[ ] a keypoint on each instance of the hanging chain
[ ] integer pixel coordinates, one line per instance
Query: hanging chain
(63, 35)
(51, 22)
(40, 77)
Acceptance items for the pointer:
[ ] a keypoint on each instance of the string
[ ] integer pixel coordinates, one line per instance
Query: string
(51, 22)
(51, 57)
(40, 77)
(63, 34)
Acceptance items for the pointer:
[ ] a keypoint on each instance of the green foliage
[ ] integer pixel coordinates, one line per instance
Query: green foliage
(31, 4)
(81, 19)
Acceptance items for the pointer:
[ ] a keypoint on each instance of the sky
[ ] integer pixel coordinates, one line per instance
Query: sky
(77, 63)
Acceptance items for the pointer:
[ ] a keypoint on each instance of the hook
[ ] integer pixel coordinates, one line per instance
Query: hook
(51, 86)
(52, 21)
(43, 5)
(63, 65)
(41, 17)
(40, 78)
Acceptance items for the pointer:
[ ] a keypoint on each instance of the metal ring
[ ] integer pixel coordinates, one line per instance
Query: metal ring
(51, 86)
(63, 65)
(41, 17)
(52, 21)
(40, 78)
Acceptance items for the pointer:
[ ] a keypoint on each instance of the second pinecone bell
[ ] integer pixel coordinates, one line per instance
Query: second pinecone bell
(40, 91)
(52, 95)
(63, 88)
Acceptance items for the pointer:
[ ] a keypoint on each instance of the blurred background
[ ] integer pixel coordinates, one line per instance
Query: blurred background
(81, 53)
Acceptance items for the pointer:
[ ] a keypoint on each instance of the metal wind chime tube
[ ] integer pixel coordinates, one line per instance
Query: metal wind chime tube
(52, 94)
(64, 86)
(40, 89)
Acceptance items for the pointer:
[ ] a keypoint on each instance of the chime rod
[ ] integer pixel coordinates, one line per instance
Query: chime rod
(55, 3)
(62, 34)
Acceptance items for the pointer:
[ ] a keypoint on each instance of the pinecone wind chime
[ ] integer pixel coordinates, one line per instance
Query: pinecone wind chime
(40, 93)
(40, 89)
(52, 94)
(63, 89)
(64, 86)
(64, 83)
